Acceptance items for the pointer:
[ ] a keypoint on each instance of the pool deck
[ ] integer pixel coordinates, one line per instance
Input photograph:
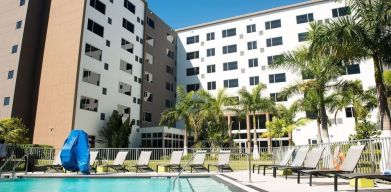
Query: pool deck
(239, 178)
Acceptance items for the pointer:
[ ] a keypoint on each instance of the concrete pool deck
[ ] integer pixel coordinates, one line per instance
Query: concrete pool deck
(239, 179)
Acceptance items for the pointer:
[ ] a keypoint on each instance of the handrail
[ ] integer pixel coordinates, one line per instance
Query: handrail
(187, 164)
(6, 162)
(17, 164)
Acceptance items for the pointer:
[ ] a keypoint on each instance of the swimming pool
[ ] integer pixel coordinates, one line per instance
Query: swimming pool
(114, 184)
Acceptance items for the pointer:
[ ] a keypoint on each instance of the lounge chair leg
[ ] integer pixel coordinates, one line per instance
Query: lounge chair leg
(208, 168)
(191, 169)
(253, 168)
(310, 179)
(274, 172)
(335, 182)
(286, 175)
(264, 170)
(298, 177)
(157, 168)
(356, 184)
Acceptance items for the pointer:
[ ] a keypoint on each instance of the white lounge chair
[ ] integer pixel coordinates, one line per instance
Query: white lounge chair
(143, 161)
(118, 164)
(198, 161)
(223, 161)
(175, 161)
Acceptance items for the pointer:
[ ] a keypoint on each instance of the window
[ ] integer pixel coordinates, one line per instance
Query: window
(22, 2)
(273, 59)
(148, 96)
(193, 55)
(170, 53)
(302, 36)
(128, 46)
(128, 5)
(98, 5)
(10, 74)
(229, 49)
(349, 112)
(91, 77)
(128, 25)
(253, 62)
(274, 41)
(6, 101)
(18, 24)
(306, 75)
(277, 78)
(254, 80)
(109, 20)
(148, 77)
(169, 86)
(123, 111)
(95, 28)
(273, 24)
(212, 85)
(169, 70)
(93, 52)
(125, 88)
(149, 58)
(107, 43)
(88, 103)
(229, 32)
(14, 49)
(102, 116)
(147, 117)
(210, 52)
(106, 66)
(150, 41)
(278, 97)
(151, 23)
(251, 28)
(211, 68)
(192, 71)
(252, 45)
(192, 87)
(192, 39)
(169, 103)
(230, 66)
(104, 91)
(231, 83)
(353, 69)
(305, 18)
(210, 36)
(342, 11)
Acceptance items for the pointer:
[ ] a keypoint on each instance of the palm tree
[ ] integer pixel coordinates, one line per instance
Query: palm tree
(363, 34)
(253, 102)
(183, 110)
(323, 71)
(288, 117)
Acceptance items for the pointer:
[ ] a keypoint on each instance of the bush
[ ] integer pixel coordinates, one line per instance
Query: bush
(14, 131)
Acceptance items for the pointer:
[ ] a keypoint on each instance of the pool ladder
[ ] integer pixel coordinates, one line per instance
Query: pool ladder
(13, 158)
(183, 169)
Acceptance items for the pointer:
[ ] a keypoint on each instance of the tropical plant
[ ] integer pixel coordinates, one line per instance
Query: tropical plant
(365, 130)
(215, 137)
(14, 131)
(183, 110)
(275, 128)
(253, 102)
(363, 34)
(116, 133)
(322, 70)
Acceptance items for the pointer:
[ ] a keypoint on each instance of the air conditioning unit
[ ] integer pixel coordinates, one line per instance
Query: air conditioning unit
(241, 36)
(261, 32)
(202, 59)
(262, 50)
(202, 43)
(263, 68)
(241, 53)
(202, 76)
(243, 70)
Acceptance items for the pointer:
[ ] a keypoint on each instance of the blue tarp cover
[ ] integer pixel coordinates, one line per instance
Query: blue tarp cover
(75, 154)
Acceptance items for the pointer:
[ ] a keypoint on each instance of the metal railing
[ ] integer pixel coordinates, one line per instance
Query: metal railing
(372, 159)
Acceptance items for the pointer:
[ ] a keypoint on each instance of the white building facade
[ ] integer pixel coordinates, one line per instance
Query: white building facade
(234, 53)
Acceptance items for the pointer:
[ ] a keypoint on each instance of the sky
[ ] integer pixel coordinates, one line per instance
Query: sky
(183, 13)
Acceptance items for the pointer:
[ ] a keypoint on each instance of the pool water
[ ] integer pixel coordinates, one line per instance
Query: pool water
(111, 184)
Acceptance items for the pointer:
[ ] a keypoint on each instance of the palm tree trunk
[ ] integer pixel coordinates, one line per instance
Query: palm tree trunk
(185, 142)
(384, 111)
(248, 132)
(255, 152)
(290, 138)
(269, 138)
(319, 136)
(323, 118)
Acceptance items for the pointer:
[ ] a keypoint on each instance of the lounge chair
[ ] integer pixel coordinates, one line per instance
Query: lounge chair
(357, 176)
(311, 162)
(348, 165)
(223, 161)
(118, 164)
(56, 165)
(198, 161)
(143, 161)
(93, 155)
(297, 161)
(175, 161)
(284, 162)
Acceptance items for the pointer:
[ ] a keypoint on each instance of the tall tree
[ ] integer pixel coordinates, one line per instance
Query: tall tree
(13, 130)
(321, 69)
(253, 102)
(363, 34)
(116, 133)
(184, 110)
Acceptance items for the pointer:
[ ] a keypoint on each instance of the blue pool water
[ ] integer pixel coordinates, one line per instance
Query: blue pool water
(111, 184)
